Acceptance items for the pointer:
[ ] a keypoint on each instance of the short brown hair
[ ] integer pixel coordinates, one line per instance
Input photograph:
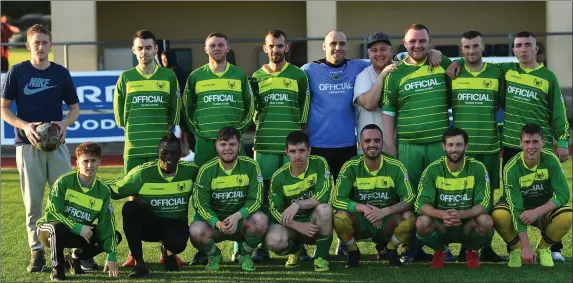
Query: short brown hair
(89, 148)
(145, 34)
(419, 27)
(37, 28)
(217, 34)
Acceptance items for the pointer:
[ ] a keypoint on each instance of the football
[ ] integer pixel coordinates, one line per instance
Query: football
(49, 139)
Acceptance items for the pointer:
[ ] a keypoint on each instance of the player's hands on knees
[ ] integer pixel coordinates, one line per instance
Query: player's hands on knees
(434, 57)
(375, 214)
(563, 154)
(289, 213)
(63, 130)
(453, 70)
(527, 256)
(529, 216)
(308, 229)
(31, 134)
(111, 268)
(86, 232)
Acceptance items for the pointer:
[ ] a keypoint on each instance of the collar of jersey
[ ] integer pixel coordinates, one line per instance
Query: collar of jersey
(527, 70)
(170, 178)
(525, 165)
(301, 176)
(419, 64)
(373, 173)
(455, 174)
(475, 74)
(149, 75)
(84, 189)
(219, 74)
(228, 172)
(276, 73)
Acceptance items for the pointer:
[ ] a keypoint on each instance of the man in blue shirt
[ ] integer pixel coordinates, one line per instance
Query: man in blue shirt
(38, 86)
(331, 120)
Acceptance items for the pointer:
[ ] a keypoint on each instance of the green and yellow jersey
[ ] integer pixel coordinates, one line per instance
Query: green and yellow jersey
(213, 100)
(528, 188)
(144, 106)
(74, 205)
(285, 189)
(282, 104)
(219, 193)
(166, 197)
(444, 189)
(383, 187)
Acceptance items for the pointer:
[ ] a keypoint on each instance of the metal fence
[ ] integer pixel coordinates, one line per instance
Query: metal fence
(66, 45)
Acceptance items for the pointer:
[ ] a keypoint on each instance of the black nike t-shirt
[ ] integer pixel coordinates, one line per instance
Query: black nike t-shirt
(38, 94)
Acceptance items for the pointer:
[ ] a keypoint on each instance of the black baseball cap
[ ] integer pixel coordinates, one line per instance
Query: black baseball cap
(379, 36)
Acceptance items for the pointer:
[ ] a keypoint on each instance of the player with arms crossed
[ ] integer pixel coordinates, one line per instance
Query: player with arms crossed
(159, 213)
(475, 101)
(373, 198)
(76, 201)
(226, 198)
(38, 87)
(535, 193)
(415, 103)
(146, 106)
(533, 89)
(453, 201)
(300, 191)
(281, 106)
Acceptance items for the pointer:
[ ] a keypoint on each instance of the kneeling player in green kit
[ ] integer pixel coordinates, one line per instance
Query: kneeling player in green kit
(298, 197)
(452, 203)
(227, 196)
(77, 199)
(374, 199)
(535, 193)
(159, 214)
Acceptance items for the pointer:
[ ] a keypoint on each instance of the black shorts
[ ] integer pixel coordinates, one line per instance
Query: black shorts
(336, 157)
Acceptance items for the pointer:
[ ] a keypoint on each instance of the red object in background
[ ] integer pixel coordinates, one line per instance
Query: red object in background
(6, 33)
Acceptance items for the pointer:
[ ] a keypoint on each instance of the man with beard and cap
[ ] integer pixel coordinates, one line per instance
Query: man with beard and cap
(281, 107)
(227, 197)
(217, 95)
(373, 199)
(146, 106)
(453, 202)
(475, 101)
(159, 214)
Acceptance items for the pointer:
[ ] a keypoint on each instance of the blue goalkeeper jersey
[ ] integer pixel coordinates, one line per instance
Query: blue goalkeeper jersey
(331, 117)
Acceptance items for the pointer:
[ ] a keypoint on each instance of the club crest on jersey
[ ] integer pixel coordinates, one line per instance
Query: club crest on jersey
(430, 69)
(92, 203)
(336, 76)
(161, 85)
(181, 187)
(310, 182)
(537, 82)
(286, 83)
(231, 84)
(486, 83)
(239, 180)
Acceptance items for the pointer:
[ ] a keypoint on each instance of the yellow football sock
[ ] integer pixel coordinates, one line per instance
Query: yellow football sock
(402, 232)
(345, 231)
(560, 221)
(504, 226)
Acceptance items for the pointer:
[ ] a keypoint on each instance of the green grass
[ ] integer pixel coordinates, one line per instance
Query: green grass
(15, 257)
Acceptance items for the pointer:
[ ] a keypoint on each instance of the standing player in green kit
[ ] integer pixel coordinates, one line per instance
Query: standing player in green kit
(475, 101)
(217, 95)
(281, 106)
(415, 102)
(146, 106)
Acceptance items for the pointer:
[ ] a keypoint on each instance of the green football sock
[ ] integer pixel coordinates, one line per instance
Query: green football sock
(433, 241)
(210, 248)
(476, 241)
(249, 245)
(323, 245)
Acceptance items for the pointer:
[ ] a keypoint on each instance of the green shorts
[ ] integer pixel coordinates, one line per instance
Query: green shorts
(132, 162)
(205, 150)
(454, 234)
(492, 165)
(220, 236)
(270, 163)
(416, 157)
(367, 230)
